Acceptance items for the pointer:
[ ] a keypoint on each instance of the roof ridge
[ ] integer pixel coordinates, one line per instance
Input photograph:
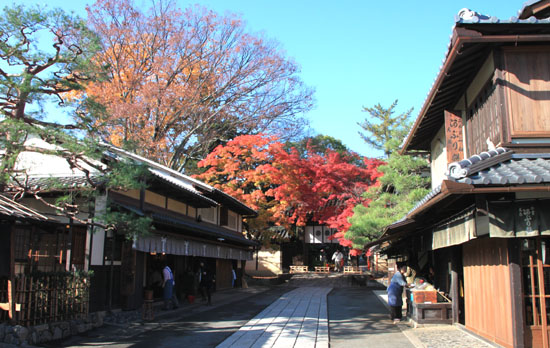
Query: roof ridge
(157, 165)
(476, 163)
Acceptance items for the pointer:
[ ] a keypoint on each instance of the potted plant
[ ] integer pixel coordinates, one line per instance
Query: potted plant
(148, 294)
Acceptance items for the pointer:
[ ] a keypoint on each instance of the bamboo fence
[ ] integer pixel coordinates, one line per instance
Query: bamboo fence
(45, 298)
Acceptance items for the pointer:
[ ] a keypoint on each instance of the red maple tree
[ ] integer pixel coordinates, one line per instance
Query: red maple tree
(288, 188)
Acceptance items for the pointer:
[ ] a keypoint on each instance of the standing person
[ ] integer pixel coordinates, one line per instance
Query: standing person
(168, 289)
(206, 282)
(395, 293)
(189, 285)
(233, 277)
(323, 256)
(338, 258)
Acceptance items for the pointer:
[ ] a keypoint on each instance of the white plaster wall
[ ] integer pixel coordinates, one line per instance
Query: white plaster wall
(485, 73)
(39, 164)
(438, 165)
(269, 263)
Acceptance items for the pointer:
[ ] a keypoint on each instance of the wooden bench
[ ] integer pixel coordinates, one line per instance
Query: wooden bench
(352, 269)
(298, 269)
(322, 269)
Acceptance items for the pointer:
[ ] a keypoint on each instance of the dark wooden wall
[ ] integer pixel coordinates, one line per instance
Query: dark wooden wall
(484, 119)
(223, 274)
(99, 288)
(528, 91)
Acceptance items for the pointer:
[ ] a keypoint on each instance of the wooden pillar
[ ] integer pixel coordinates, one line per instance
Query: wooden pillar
(453, 136)
(543, 309)
(69, 246)
(454, 291)
(305, 257)
(518, 319)
(257, 257)
(11, 282)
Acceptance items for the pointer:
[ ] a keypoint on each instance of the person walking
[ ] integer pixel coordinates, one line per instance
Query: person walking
(206, 282)
(233, 277)
(338, 259)
(395, 293)
(169, 295)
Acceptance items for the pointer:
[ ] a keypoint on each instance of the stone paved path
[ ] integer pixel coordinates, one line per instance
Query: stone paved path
(331, 280)
(297, 319)
(447, 336)
(437, 336)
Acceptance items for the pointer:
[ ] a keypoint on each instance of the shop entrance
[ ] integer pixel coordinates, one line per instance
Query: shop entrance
(535, 262)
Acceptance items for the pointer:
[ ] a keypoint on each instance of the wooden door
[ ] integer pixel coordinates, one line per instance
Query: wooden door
(535, 260)
(223, 274)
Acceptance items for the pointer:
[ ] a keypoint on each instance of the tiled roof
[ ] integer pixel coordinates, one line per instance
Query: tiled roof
(426, 199)
(119, 153)
(9, 207)
(516, 170)
(47, 182)
(473, 17)
(495, 167)
(185, 182)
(461, 169)
(182, 184)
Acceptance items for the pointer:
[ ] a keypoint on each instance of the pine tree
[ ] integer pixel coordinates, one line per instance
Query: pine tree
(401, 185)
(45, 63)
(384, 130)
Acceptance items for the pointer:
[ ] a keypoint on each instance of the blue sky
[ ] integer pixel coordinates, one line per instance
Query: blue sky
(354, 53)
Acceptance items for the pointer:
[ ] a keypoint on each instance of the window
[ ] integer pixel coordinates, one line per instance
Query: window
(229, 218)
(208, 214)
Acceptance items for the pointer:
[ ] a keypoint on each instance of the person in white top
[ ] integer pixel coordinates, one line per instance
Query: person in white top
(338, 259)
(170, 299)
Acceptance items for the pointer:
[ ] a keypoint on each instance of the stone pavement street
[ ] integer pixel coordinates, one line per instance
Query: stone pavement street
(297, 319)
(436, 336)
(310, 310)
(359, 319)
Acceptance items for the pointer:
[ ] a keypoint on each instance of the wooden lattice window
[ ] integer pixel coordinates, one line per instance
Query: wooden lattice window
(535, 262)
(483, 120)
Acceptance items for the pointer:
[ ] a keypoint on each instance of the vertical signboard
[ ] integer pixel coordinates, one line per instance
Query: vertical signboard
(453, 136)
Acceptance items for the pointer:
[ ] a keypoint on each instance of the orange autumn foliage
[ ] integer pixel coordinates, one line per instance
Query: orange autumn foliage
(180, 82)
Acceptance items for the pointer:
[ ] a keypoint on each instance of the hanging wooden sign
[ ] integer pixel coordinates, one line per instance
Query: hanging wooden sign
(453, 136)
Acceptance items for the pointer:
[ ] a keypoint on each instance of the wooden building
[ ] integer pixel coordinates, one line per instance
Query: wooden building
(192, 223)
(35, 250)
(485, 226)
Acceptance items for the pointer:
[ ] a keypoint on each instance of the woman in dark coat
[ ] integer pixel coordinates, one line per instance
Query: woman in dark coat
(395, 293)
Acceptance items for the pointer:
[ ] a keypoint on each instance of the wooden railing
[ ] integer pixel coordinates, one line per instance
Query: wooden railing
(44, 298)
(322, 269)
(298, 269)
(352, 269)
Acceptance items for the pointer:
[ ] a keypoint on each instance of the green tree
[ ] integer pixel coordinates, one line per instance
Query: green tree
(44, 58)
(320, 144)
(402, 184)
(383, 130)
(45, 61)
